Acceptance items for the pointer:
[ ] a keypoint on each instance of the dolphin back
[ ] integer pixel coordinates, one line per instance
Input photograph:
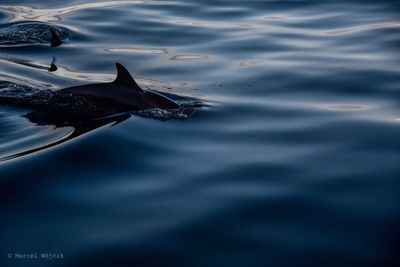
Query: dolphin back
(160, 101)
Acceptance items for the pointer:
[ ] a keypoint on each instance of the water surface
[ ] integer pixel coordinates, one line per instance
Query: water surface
(293, 160)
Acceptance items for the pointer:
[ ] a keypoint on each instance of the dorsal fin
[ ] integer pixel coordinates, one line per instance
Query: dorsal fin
(124, 79)
(53, 66)
(55, 39)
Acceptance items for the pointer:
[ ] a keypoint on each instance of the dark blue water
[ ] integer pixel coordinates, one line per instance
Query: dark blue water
(292, 161)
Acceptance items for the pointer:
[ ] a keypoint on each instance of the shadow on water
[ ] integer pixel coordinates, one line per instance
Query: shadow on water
(41, 118)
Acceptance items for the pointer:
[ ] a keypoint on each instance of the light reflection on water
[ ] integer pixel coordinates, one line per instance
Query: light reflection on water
(170, 54)
(365, 27)
(30, 13)
(139, 50)
(347, 106)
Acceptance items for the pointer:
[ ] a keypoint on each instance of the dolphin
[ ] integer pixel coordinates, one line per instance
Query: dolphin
(91, 100)
(32, 33)
(123, 94)
(54, 39)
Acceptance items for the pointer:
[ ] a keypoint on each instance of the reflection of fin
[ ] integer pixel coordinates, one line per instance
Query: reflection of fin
(124, 79)
(53, 66)
(80, 128)
(55, 39)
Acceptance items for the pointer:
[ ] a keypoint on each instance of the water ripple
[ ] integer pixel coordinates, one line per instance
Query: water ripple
(189, 57)
(365, 28)
(293, 162)
(31, 13)
(138, 50)
(208, 24)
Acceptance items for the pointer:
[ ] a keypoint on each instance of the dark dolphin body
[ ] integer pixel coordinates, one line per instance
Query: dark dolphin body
(88, 107)
(32, 33)
(94, 100)
(102, 99)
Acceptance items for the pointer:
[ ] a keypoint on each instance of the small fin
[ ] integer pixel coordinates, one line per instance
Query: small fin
(55, 39)
(53, 66)
(124, 79)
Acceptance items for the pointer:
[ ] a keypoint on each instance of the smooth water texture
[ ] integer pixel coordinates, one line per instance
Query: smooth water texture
(293, 160)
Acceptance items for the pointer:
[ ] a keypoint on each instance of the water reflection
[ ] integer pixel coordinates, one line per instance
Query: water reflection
(65, 72)
(139, 50)
(30, 13)
(209, 24)
(31, 63)
(274, 18)
(169, 52)
(251, 63)
(300, 144)
(77, 128)
(347, 106)
(189, 57)
(384, 25)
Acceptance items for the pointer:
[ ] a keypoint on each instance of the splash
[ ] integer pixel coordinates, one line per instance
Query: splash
(164, 114)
